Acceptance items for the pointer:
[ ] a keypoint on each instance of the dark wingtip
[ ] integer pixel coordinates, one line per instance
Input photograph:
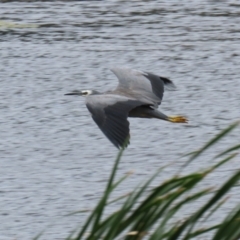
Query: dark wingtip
(168, 83)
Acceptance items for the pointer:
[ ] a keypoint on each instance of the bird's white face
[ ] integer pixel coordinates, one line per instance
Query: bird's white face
(86, 92)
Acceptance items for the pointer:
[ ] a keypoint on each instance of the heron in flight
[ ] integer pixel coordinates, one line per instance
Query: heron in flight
(138, 94)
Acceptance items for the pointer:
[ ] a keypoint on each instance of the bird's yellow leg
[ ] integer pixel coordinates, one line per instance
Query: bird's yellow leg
(177, 119)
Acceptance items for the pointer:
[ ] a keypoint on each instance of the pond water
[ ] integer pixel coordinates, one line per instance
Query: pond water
(54, 159)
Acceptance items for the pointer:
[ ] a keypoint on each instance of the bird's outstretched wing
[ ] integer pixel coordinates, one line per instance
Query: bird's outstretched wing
(110, 113)
(144, 82)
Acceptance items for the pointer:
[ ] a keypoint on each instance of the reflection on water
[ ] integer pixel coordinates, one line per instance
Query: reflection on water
(54, 159)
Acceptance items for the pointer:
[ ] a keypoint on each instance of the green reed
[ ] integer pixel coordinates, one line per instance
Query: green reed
(150, 212)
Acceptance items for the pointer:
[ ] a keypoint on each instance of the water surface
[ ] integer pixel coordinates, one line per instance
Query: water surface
(54, 159)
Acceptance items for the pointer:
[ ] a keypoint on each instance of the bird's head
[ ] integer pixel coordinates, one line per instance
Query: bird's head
(83, 92)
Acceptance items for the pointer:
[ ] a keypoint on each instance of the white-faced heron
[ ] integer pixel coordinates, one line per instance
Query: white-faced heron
(138, 94)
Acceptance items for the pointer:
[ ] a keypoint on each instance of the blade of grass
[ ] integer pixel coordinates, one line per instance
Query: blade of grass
(103, 227)
(135, 214)
(203, 231)
(217, 138)
(219, 194)
(128, 205)
(228, 151)
(230, 228)
(214, 167)
(97, 212)
(38, 236)
(159, 232)
(127, 215)
(119, 198)
(109, 188)
(77, 212)
(190, 221)
(114, 185)
(212, 211)
(157, 206)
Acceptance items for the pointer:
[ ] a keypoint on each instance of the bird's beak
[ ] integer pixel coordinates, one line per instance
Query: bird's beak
(79, 93)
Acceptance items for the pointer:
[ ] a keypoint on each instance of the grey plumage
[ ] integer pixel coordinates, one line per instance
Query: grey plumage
(138, 94)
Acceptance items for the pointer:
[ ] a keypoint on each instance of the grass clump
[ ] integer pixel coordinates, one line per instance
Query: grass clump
(151, 214)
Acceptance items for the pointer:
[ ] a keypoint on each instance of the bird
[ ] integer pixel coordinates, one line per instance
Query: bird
(138, 94)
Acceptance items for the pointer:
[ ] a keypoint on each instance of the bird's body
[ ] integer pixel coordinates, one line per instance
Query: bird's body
(138, 94)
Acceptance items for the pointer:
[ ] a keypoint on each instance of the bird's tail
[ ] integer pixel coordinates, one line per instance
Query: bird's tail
(177, 119)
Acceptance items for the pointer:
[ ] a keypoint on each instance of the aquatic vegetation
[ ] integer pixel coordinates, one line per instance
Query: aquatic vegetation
(153, 212)
(10, 25)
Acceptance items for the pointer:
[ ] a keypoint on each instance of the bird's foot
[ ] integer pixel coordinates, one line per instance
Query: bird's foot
(177, 119)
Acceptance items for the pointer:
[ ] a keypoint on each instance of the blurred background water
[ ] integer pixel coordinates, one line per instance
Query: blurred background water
(54, 159)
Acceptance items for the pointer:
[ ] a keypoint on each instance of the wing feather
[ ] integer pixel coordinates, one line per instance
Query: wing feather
(110, 112)
(143, 82)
